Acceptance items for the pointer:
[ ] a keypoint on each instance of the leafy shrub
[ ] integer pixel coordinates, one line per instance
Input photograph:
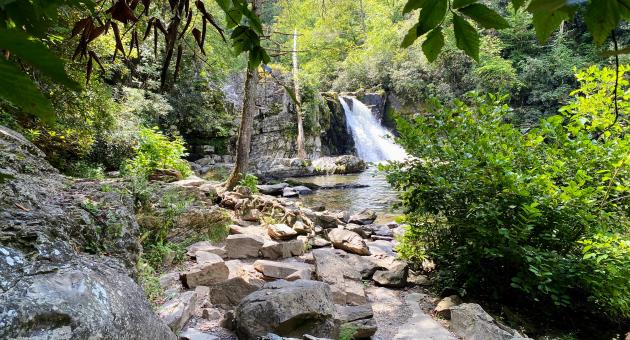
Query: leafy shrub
(156, 151)
(82, 169)
(250, 181)
(519, 214)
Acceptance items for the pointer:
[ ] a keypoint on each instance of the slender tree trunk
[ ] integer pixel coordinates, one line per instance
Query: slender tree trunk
(243, 144)
(298, 100)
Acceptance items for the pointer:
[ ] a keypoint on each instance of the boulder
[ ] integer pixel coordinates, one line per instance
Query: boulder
(229, 293)
(381, 248)
(195, 334)
(394, 276)
(55, 280)
(272, 189)
(211, 270)
(281, 231)
(360, 318)
(276, 250)
(418, 279)
(366, 216)
(344, 280)
(290, 193)
(300, 228)
(303, 190)
(365, 265)
(323, 219)
(348, 241)
(289, 271)
(319, 242)
(359, 229)
(443, 308)
(345, 164)
(470, 321)
(179, 310)
(206, 247)
(243, 245)
(383, 231)
(289, 309)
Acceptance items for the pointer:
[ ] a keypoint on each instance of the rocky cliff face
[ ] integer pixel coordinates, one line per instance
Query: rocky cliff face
(67, 254)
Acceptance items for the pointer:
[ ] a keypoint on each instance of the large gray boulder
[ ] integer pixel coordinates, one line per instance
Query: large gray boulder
(344, 280)
(288, 309)
(55, 281)
(348, 241)
(471, 322)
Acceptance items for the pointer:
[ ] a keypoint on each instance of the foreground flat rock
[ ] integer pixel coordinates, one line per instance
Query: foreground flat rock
(288, 309)
(360, 318)
(230, 292)
(348, 241)
(345, 281)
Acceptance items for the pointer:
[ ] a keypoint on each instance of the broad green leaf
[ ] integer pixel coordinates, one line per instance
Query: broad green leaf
(433, 44)
(601, 18)
(37, 54)
(546, 5)
(431, 15)
(413, 5)
(254, 21)
(484, 16)
(518, 4)
(410, 37)
(20, 91)
(466, 37)
(547, 22)
(462, 3)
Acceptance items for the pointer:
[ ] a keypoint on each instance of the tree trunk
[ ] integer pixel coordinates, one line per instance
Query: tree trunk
(244, 142)
(298, 101)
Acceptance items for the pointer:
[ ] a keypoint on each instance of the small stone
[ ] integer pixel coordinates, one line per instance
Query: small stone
(418, 279)
(303, 190)
(211, 314)
(319, 242)
(394, 276)
(194, 334)
(300, 227)
(281, 231)
(443, 308)
(228, 321)
(289, 193)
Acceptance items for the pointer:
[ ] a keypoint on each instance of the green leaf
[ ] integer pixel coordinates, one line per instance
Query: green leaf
(20, 91)
(546, 5)
(462, 3)
(5, 177)
(433, 44)
(547, 22)
(413, 5)
(485, 16)
(254, 21)
(410, 37)
(466, 37)
(518, 4)
(601, 18)
(432, 14)
(37, 54)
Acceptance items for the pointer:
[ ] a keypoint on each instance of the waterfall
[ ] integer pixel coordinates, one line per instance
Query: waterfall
(373, 142)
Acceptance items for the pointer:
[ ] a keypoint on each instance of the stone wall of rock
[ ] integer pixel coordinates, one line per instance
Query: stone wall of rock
(68, 250)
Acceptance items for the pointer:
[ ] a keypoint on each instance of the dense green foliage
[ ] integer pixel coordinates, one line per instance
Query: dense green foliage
(542, 215)
(154, 152)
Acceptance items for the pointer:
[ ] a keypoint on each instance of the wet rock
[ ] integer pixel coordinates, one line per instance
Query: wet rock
(348, 241)
(394, 276)
(303, 190)
(344, 280)
(290, 192)
(178, 311)
(366, 216)
(443, 308)
(229, 293)
(272, 189)
(276, 250)
(211, 270)
(195, 334)
(289, 309)
(470, 321)
(243, 245)
(53, 282)
(281, 231)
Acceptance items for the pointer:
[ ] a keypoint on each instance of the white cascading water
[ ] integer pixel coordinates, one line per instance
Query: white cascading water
(373, 142)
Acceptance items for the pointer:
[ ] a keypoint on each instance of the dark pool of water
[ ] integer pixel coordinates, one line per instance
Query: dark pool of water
(378, 195)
